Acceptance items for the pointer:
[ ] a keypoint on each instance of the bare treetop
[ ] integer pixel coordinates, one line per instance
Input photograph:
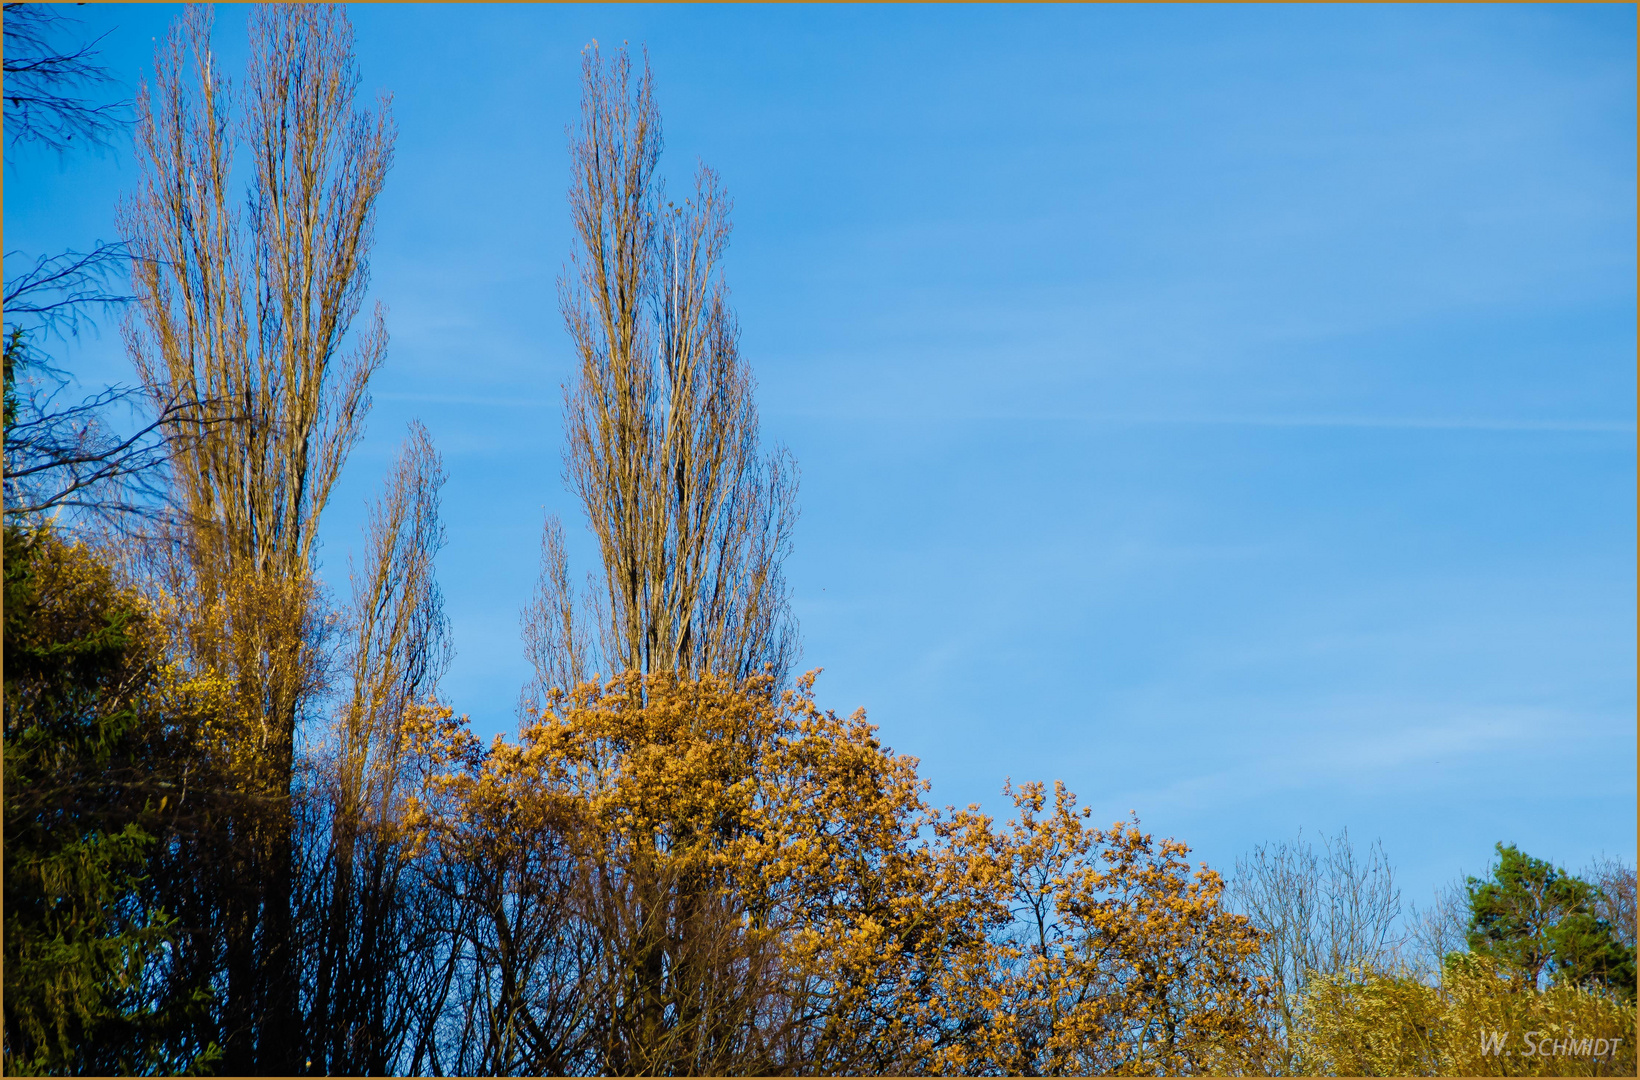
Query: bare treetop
(692, 519)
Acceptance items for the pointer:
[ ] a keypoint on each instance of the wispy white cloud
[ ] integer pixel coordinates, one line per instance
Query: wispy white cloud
(1360, 754)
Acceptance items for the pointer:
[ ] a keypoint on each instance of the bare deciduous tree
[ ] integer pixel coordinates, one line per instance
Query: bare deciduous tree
(248, 311)
(1362, 906)
(252, 313)
(1614, 882)
(510, 999)
(1439, 930)
(692, 519)
(1328, 912)
(555, 640)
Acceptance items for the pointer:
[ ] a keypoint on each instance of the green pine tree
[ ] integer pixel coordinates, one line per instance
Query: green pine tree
(1540, 922)
(85, 763)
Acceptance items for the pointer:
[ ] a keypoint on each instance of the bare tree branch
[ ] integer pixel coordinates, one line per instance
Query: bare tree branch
(1614, 882)
(69, 458)
(1324, 913)
(57, 456)
(361, 901)
(48, 85)
(53, 294)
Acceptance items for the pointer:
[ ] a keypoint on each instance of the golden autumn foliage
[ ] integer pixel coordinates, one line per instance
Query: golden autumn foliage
(662, 875)
(1479, 1021)
(704, 876)
(1120, 960)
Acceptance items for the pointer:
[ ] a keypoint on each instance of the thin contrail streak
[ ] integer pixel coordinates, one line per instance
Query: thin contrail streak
(1425, 423)
(1406, 423)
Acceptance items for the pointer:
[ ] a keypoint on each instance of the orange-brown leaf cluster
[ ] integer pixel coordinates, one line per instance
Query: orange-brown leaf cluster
(714, 877)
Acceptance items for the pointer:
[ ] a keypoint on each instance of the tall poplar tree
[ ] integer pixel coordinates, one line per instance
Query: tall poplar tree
(692, 518)
(250, 310)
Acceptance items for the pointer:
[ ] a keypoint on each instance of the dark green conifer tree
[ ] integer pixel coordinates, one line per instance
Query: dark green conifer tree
(1541, 922)
(90, 794)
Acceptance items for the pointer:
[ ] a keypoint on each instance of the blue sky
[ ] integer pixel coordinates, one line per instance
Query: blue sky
(1229, 411)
